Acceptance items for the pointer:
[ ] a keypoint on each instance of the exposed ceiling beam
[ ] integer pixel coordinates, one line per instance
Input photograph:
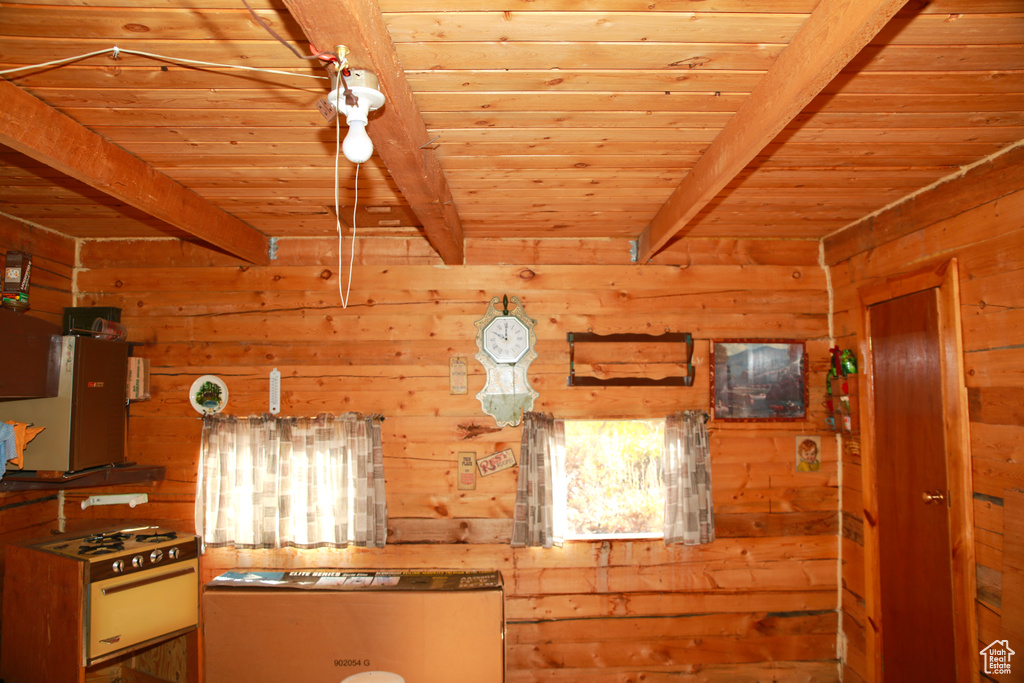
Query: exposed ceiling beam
(832, 35)
(398, 131)
(34, 128)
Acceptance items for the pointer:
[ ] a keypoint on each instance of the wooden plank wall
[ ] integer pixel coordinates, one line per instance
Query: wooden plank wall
(979, 219)
(758, 604)
(26, 515)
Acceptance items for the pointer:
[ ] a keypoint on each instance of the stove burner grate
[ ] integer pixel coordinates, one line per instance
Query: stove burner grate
(103, 543)
(156, 537)
(107, 538)
(100, 549)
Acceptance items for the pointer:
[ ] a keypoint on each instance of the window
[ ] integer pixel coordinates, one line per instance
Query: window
(613, 475)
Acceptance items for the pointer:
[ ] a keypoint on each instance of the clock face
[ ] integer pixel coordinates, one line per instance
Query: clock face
(506, 339)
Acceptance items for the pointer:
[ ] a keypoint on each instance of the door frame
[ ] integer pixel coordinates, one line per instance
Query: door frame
(944, 277)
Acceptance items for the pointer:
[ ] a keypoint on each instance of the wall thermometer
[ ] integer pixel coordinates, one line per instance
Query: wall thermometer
(275, 392)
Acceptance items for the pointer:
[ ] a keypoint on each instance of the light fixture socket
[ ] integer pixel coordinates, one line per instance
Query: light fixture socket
(367, 100)
(362, 78)
(363, 84)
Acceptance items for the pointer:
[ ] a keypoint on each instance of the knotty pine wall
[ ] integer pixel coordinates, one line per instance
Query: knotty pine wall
(32, 513)
(978, 219)
(760, 603)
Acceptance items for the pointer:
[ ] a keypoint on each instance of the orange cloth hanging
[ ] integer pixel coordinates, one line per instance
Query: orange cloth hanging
(23, 433)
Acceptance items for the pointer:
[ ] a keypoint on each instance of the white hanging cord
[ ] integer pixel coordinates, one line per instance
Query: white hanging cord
(337, 215)
(56, 62)
(180, 60)
(226, 66)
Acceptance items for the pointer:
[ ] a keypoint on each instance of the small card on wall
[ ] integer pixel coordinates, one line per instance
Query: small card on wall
(496, 462)
(467, 470)
(458, 376)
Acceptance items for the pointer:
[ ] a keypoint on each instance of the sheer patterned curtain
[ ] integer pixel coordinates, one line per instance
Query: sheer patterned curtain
(268, 482)
(689, 511)
(540, 517)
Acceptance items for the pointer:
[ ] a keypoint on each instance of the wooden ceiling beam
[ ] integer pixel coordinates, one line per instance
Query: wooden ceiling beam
(397, 129)
(34, 128)
(834, 33)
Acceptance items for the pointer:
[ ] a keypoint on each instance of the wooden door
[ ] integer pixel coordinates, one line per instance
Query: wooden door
(915, 571)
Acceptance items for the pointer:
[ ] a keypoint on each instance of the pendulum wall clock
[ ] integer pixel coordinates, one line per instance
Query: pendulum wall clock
(505, 341)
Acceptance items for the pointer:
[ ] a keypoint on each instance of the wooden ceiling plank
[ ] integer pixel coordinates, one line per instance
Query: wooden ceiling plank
(985, 182)
(832, 36)
(398, 131)
(593, 26)
(35, 129)
(103, 22)
(654, 26)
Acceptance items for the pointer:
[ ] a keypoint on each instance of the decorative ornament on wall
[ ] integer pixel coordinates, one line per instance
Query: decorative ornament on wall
(506, 342)
(208, 395)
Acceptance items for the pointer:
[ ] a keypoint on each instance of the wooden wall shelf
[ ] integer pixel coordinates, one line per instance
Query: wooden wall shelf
(591, 338)
(15, 480)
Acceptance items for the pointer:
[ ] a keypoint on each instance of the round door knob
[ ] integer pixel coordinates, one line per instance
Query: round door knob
(935, 496)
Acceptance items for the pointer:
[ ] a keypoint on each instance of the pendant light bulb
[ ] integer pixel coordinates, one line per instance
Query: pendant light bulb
(357, 147)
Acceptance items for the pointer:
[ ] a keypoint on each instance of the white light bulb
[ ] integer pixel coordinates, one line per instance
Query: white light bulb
(357, 147)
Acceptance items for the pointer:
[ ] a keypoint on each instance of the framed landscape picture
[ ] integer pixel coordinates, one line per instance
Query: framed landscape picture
(759, 380)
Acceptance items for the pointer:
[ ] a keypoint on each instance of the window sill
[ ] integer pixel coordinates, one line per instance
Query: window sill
(616, 537)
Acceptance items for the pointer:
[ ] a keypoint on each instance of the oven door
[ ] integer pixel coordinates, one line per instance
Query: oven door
(128, 610)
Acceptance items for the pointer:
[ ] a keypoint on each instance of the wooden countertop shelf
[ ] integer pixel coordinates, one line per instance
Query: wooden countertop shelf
(15, 480)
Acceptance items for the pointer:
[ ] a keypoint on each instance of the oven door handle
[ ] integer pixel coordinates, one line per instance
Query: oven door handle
(152, 579)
